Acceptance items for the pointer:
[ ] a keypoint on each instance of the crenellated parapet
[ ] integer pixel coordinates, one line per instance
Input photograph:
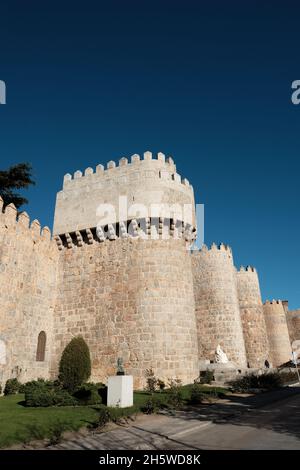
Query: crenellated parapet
(247, 269)
(273, 302)
(214, 250)
(10, 221)
(165, 166)
(139, 188)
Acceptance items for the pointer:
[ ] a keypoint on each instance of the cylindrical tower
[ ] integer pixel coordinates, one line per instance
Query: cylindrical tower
(126, 281)
(293, 321)
(278, 334)
(129, 298)
(217, 307)
(252, 315)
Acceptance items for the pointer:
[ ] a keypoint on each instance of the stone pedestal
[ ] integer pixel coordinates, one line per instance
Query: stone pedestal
(120, 391)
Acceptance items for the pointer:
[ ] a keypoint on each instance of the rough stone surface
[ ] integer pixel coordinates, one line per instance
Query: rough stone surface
(217, 307)
(81, 203)
(293, 319)
(131, 289)
(28, 273)
(131, 299)
(252, 315)
(278, 335)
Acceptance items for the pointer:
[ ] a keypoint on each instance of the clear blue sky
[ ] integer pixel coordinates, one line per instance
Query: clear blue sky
(207, 82)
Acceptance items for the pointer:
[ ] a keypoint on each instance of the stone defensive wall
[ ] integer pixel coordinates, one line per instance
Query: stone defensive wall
(293, 321)
(131, 298)
(252, 316)
(216, 304)
(28, 273)
(277, 330)
(139, 189)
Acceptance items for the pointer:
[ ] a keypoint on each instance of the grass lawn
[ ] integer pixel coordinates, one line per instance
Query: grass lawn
(23, 424)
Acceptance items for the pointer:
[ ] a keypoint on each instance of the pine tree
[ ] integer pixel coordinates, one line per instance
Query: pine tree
(16, 177)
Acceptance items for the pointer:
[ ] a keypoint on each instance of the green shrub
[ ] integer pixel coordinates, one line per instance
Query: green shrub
(287, 377)
(34, 384)
(151, 380)
(102, 390)
(37, 398)
(266, 381)
(88, 394)
(63, 398)
(175, 397)
(12, 387)
(42, 393)
(152, 405)
(197, 396)
(57, 430)
(75, 364)
(103, 418)
(161, 385)
(207, 377)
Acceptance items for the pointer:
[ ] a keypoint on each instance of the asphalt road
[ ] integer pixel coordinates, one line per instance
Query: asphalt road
(273, 427)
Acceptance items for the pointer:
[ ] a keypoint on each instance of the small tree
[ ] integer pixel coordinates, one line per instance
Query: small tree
(151, 380)
(75, 364)
(17, 177)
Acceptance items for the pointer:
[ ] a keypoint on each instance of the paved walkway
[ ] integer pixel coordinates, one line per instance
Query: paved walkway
(236, 423)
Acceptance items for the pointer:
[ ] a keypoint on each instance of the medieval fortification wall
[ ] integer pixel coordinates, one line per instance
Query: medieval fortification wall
(216, 305)
(129, 298)
(28, 270)
(293, 320)
(129, 284)
(126, 284)
(252, 316)
(278, 334)
(148, 187)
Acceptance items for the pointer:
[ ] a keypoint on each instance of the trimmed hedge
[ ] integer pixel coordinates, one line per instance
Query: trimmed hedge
(75, 364)
(88, 394)
(43, 393)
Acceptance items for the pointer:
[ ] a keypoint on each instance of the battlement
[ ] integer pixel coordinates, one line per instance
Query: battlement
(221, 247)
(143, 188)
(248, 269)
(273, 302)
(10, 218)
(165, 166)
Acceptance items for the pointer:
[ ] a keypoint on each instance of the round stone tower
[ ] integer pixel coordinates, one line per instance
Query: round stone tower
(278, 334)
(252, 316)
(293, 320)
(216, 305)
(126, 280)
(148, 187)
